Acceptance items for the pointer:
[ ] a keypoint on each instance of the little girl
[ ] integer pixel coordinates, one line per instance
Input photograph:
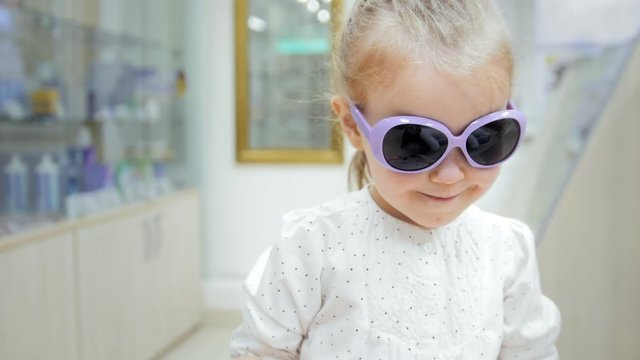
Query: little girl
(407, 267)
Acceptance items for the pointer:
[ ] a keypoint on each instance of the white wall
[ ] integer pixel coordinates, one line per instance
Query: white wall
(243, 204)
(587, 21)
(528, 85)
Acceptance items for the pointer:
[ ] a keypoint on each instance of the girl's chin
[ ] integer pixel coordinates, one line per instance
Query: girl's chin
(433, 220)
(432, 223)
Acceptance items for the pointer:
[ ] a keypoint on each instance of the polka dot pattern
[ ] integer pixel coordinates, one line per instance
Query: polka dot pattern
(347, 281)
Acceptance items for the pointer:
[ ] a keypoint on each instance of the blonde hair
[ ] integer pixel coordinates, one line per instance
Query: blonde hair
(380, 37)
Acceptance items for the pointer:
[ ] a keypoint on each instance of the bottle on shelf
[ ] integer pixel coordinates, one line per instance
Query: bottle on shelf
(17, 186)
(47, 186)
(77, 158)
(46, 99)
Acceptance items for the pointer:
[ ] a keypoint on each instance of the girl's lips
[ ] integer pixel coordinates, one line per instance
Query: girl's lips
(441, 199)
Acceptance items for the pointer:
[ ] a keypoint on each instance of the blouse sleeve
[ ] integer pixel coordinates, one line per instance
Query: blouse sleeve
(531, 320)
(283, 294)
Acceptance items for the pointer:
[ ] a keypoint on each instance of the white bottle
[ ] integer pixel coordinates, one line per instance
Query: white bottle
(47, 186)
(17, 186)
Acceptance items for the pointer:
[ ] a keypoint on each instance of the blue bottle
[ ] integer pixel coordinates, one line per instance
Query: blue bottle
(16, 186)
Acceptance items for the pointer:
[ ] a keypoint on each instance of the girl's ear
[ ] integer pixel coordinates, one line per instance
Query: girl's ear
(340, 107)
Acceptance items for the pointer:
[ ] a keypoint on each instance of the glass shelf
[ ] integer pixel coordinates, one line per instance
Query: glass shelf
(99, 112)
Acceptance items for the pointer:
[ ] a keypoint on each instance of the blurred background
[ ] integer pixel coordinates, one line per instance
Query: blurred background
(149, 148)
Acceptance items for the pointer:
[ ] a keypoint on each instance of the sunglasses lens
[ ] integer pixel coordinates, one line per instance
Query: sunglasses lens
(494, 142)
(413, 147)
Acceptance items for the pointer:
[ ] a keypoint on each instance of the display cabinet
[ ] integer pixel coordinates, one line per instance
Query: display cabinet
(582, 84)
(138, 278)
(588, 257)
(123, 284)
(89, 119)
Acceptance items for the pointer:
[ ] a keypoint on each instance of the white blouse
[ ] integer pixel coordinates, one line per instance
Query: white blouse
(348, 281)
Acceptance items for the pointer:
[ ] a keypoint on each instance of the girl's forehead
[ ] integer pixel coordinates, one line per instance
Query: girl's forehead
(453, 100)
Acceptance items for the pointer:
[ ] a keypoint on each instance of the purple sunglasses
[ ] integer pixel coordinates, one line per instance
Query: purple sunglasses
(412, 144)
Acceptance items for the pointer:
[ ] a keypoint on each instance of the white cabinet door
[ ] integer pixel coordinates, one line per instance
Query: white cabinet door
(178, 221)
(37, 306)
(118, 286)
(139, 279)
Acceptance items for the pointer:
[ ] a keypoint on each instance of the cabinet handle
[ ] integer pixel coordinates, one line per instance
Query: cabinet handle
(148, 239)
(159, 233)
(153, 237)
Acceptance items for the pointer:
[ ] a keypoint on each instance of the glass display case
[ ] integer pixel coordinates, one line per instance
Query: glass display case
(583, 80)
(89, 120)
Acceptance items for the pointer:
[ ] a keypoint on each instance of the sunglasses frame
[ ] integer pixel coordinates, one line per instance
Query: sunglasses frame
(375, 135)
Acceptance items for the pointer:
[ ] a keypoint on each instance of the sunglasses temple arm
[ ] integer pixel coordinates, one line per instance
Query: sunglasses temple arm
(360, 120)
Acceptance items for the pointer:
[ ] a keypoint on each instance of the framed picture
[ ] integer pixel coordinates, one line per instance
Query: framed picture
(283, 55)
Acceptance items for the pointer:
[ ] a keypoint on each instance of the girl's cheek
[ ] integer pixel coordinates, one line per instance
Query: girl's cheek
(486, 177)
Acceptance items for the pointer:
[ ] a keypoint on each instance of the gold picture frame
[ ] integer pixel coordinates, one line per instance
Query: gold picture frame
(265, 140)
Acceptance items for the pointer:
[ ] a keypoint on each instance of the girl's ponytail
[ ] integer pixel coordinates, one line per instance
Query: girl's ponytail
(359, 175)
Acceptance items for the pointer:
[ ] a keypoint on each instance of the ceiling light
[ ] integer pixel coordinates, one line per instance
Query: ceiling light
(313, 5)
(324, 16)
(256, 24)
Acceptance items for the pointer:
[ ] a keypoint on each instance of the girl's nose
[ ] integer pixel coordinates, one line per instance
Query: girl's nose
(450, 169)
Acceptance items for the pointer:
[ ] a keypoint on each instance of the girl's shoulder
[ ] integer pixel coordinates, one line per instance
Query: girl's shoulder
(510, 241)
(349, 203)
(319, 224)
(498, 227)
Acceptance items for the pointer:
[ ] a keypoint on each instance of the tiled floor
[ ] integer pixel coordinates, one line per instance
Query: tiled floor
(210, 342)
